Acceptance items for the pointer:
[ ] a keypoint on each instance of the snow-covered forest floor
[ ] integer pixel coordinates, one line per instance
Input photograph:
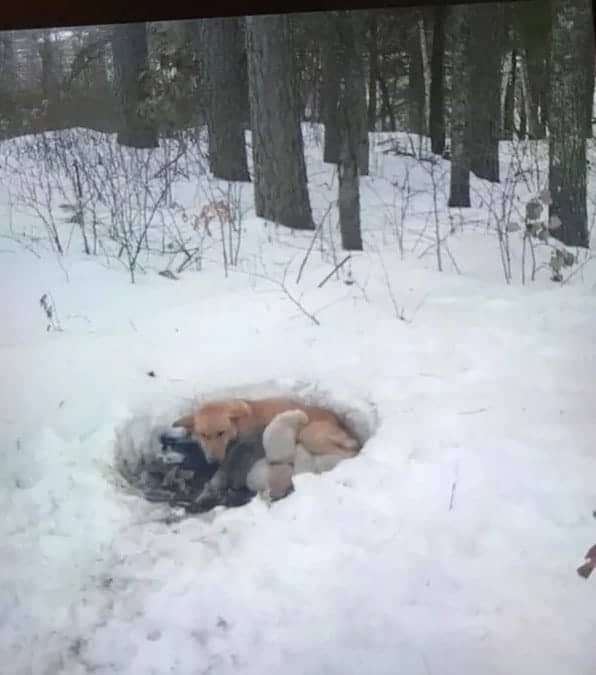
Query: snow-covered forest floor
(449, 546)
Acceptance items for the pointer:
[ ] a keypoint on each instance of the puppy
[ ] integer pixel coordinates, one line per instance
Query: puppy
(271, 476)
(216, 423)
(287, 456)
(229, 485)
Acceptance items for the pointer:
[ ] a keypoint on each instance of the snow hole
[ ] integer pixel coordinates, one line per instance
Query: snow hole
(177, 477)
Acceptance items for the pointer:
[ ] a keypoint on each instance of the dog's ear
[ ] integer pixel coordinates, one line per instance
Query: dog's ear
(187, 422)
(238, 408)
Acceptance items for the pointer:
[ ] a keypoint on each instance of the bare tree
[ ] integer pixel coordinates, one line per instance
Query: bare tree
(8, 82)
(437, 82)
(223, 50)
(509, 79)
(331, 74)
(8, 66)
(459, 194)
(129, 48)
(350, 101)
(531, 23)
(281, 193)
(50, 78)
(373, 69)
(416, 94)
(334, 69)
(485, 89)
(572, 39)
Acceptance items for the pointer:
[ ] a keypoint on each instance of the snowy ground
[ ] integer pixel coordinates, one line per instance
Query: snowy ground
(448, 546)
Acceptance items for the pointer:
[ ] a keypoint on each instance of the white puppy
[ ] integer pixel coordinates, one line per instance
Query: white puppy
(285, 456)
(272, 476)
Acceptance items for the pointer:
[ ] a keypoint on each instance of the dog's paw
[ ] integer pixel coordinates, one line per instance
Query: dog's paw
(265, 495)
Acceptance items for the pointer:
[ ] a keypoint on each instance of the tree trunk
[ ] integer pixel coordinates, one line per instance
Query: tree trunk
(330, 67)
(351, 115)
(531, 102)
(48, 74)
(589, 88)
(509, 102)
(522, 130)
(281, 193)
(335, 66)
(531, 26)
(129, 48)
(357, 85)
(459, 192)
(8, 64)
(386, 107)
(373, 70)
(572, 35)
(227, 96)
(9, 111)
(437, 82)
(536, 85)
(485, 99)
(416, 116)
(422, 22)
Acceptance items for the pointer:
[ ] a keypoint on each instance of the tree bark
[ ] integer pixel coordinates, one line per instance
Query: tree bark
(509, 98)
(485, 99)
(129, 48)
(342, 60)
(572, 35)
(356, 73)
(331, 67)
(530, 98)
(416, 97)
(437, 82)
(9, 112)
(531, 33)
(280, 183)
(352, 127)
(387, 108)
(536, 86)
(227, 96)
(423, 37)
(459, 192)
(589, 88)
(373, 70)
(8, 65)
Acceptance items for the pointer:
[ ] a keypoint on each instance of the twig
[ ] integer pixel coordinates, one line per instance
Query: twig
(454, 488)
(333, 271)
(312, 242)
(304, 311)
(452, 496)
(282, 286)
(578, 269)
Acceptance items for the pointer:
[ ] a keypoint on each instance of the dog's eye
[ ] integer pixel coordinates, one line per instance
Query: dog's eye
(220, 434)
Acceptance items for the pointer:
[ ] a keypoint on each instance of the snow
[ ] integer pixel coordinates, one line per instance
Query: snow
(448, 546)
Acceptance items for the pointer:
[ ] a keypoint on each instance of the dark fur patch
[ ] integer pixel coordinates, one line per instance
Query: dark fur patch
(228, 485)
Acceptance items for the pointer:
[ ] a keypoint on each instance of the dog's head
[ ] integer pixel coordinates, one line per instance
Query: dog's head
(214, 425)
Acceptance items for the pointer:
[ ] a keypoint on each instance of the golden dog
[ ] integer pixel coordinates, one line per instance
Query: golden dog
(216, 423)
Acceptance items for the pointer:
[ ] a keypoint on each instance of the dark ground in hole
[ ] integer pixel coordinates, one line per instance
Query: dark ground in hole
(178, 475)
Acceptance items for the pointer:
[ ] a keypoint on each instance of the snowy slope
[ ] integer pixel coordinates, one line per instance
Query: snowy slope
(448, 546)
